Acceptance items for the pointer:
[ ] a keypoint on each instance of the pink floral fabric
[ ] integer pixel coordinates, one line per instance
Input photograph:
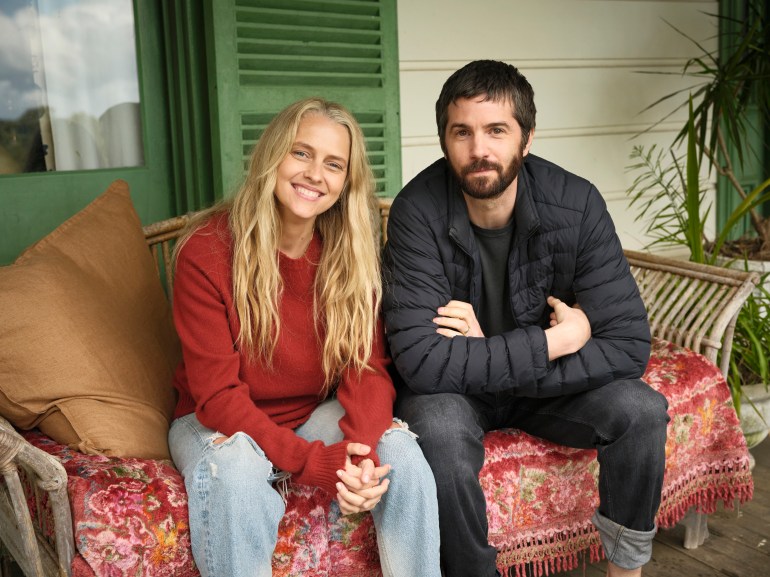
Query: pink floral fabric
(130, 515)
(130, 519)
(540, 496)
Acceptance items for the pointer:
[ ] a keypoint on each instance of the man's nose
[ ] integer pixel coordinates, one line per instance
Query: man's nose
(479, 148)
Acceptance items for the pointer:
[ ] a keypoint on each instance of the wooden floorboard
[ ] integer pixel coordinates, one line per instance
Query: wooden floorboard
(738, 545)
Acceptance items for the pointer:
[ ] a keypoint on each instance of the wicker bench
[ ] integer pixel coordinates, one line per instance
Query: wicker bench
(530, 484)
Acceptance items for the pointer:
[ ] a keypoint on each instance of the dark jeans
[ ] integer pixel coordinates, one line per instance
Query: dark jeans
(624, 420)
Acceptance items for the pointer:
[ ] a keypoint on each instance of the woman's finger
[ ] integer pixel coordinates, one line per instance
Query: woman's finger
(351, 498)
(359, 497)
(353, 502)
(367, 470)
(346, 508)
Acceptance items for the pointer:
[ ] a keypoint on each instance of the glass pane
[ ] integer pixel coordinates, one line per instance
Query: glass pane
(69, 91)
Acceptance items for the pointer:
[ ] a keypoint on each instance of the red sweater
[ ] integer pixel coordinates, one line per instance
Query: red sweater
(229, 393)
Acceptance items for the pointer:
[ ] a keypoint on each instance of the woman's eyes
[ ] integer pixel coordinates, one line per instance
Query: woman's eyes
(304, 155)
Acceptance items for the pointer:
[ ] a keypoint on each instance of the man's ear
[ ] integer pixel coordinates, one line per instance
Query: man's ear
(530, 140)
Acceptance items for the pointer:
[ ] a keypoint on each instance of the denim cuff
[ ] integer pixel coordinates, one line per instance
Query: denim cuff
(626, 548)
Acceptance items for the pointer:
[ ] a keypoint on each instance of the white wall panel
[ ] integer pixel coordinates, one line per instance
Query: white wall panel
(586, 60)
(460, 30)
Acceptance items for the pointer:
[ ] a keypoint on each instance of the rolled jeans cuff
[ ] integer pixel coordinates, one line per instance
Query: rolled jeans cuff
(626, 548)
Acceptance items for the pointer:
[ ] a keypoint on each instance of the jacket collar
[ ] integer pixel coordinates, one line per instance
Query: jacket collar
(459, 221)
(524, 211)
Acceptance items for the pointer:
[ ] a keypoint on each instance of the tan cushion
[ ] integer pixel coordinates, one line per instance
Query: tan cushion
(87, 344)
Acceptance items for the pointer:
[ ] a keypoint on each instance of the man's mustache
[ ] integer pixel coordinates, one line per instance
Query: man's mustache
(480, 165)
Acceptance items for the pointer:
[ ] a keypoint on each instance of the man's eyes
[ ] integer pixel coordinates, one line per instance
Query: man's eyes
(496, 130)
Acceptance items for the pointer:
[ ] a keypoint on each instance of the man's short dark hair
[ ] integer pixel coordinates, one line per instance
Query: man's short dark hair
(499, 82)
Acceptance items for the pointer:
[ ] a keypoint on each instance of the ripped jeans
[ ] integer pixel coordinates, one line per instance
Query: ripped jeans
(235, 508)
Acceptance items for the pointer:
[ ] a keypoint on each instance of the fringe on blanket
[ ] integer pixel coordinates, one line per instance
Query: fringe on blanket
(703, 487)
(548, 554)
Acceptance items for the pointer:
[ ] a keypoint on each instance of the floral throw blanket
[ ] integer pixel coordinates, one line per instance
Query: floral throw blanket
(130, 515)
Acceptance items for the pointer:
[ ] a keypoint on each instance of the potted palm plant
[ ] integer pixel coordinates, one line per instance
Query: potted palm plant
(749, 366)
(728, 108)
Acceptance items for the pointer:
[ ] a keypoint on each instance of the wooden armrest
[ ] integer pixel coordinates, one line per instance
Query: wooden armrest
(693, 305)
(24, 538)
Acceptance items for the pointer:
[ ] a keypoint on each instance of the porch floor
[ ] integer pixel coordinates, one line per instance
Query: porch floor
(738, 546)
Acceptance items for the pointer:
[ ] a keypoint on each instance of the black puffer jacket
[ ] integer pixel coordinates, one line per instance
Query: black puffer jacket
(564, 245)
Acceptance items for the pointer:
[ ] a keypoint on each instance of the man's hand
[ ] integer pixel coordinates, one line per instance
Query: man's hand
(457, 319)
(569, 331)
(360, 488)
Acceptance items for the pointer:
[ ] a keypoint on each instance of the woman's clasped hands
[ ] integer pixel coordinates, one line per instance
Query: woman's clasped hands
(361, 487)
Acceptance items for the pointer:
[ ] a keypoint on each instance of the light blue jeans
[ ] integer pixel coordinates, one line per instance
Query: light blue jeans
(235, 509)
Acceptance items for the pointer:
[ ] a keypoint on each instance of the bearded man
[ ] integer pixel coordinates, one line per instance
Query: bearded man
(509, 303)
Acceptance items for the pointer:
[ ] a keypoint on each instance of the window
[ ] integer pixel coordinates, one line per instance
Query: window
(69, 94)
(130, 134)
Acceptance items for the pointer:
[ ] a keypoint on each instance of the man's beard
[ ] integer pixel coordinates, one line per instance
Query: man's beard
(484, 187)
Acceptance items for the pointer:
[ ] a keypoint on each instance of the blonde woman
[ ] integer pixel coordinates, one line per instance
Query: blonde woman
(276, 303)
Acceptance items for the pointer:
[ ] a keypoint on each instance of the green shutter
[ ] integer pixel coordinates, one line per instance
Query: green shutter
(755, 165)
(265, 54)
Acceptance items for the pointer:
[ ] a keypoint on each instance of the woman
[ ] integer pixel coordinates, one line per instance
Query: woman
(276, 300)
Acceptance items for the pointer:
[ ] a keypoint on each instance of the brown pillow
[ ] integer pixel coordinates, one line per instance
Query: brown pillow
(87, 344)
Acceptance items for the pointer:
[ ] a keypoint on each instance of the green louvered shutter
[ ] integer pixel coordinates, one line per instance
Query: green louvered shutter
(265, 54)
(755, 166)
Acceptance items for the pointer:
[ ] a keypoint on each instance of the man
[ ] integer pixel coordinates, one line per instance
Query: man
(509, 303)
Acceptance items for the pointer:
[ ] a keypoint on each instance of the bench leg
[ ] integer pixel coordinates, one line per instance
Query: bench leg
(696, 529)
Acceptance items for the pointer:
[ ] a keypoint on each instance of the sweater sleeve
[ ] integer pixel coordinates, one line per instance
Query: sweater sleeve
(368, 399)
(202, 315)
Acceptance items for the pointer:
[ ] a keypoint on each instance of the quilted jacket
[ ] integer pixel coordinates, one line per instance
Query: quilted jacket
(564, 245)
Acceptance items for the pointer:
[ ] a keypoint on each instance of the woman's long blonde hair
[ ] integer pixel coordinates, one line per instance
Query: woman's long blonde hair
(347, 285)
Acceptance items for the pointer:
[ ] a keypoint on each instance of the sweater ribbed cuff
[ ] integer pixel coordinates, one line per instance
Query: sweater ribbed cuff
(322, 472)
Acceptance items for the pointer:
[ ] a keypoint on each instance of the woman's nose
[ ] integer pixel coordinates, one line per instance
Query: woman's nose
(313, 171)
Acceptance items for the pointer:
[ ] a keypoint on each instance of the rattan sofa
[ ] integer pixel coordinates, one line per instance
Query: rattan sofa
(689, 305)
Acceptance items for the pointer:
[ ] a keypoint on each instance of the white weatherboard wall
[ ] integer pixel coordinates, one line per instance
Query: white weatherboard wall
(584, 59)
